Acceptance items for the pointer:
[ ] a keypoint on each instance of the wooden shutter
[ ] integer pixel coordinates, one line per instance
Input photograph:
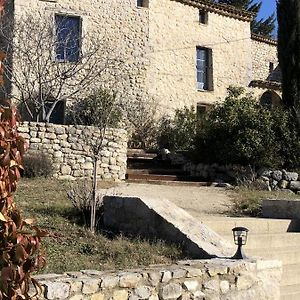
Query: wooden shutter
(210, 83)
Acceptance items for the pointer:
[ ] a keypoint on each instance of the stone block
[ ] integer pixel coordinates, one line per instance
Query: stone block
(277, 175)
(98, 296)
(290, 176)
(120, 295)
(129, 280)
(190, 285)
(143, 292)
(56, 290)
(170, 291)
(109, 281)
(90, 286)
(224, 286)
(166, 276)
(65, 170)
(295, 185)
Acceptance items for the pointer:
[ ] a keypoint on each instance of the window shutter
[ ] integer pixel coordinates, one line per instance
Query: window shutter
(210, 83)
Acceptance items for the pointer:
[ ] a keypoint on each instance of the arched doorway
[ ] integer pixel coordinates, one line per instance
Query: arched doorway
(270, 99)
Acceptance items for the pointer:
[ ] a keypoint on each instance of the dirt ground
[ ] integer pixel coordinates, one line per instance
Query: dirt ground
(198, 201)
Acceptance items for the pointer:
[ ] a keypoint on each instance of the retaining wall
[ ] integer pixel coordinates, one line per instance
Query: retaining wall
(199, 279)
(68, 147)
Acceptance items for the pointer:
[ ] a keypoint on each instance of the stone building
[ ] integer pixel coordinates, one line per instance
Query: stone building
(177, 52)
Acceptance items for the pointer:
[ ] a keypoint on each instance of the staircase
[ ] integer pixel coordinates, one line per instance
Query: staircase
(145, 167)
(271, 239)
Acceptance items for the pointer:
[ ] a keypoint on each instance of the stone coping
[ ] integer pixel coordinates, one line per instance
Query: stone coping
(188, 279)
(264, 39)
(222, 9)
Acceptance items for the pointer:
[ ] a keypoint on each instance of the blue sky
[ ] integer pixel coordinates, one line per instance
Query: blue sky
(268, 7)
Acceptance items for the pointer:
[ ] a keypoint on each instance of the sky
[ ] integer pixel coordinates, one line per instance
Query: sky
(268, 7)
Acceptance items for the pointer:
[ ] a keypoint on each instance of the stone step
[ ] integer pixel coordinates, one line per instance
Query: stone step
(158, 171)
(288, 256)
(140, 153)
(273, 240)
(290, 275)
(224, 225)
(159, 177)
(169, 183)
(290, 292)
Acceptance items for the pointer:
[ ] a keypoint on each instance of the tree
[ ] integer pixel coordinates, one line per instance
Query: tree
(263, 27)
(288, 13)
(54, 63)
(100, 111)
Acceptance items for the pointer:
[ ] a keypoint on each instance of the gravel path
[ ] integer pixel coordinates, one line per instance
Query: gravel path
(198, 201)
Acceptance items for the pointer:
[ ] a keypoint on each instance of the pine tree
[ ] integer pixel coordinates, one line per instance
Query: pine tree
(288, 14)
(263, 27)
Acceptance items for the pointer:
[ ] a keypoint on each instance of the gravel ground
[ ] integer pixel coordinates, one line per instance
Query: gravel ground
(198, 201)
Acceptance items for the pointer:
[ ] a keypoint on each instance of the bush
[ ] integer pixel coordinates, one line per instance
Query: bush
(241, 131)
(37, 164)
(179, 133)
(97, 109)
(81, 196)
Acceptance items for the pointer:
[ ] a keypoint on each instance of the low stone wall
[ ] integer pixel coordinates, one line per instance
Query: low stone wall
(68, 147)
(199, 279)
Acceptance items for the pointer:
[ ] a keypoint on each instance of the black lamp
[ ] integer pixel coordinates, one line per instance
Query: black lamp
(240, 238)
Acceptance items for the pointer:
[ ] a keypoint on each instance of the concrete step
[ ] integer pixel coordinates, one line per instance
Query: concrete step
(288, 256)
(290, 275)
(290, 292)
(224, 225)
(273, 240)
(158, 171)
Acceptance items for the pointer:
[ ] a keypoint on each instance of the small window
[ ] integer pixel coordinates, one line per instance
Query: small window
(142, 3)
(204, 69)
(203, 17)
(271, 67)
(68, 38)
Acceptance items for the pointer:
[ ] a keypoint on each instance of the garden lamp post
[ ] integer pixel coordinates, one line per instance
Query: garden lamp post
(240, 238)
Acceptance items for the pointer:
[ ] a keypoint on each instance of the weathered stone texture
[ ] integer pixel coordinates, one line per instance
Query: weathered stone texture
(248, 279)
(78, 163)
(262, 55)
(159, 44)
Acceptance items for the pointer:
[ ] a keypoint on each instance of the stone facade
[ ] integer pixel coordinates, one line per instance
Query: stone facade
(68, 148)
(211, 279)
(263, 53)
(158, 44)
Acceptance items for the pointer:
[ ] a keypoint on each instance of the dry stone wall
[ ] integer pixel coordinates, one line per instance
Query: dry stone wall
(68, 148)
(199, 279)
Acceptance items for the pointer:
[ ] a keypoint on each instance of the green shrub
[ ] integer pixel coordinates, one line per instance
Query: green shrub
(179, 133)
(37, 164)
(241, 131)
(97, 109)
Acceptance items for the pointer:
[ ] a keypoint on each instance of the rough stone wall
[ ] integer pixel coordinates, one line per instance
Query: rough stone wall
(262, 54)
(158, 45)
(175, 33)
(118, 25)
(68, 148)
(210, 279)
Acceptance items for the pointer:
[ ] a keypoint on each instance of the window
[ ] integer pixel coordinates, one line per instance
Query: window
(142, 3)
(68, 36)
(203, 17)
(204, 69)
